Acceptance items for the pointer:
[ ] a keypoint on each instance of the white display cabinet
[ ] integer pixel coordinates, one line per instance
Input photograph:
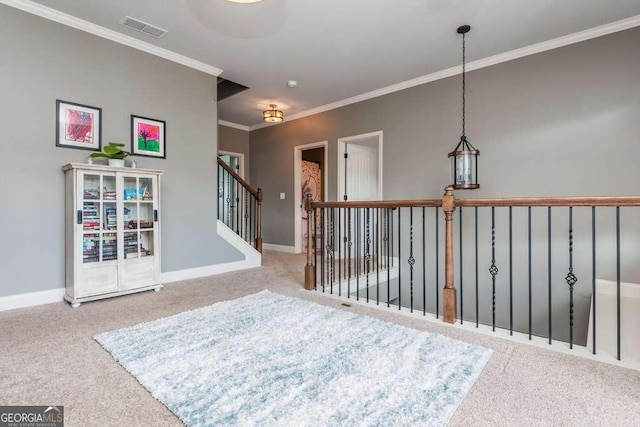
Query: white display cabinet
(112, 231)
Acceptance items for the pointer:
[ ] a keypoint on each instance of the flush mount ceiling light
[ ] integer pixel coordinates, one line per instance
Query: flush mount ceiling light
(464, 158)
(273, 115)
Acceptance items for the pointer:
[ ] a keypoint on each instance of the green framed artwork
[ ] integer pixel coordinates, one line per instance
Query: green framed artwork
(148, 137)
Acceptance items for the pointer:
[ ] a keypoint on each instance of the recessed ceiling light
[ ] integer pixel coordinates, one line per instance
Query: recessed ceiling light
(244, 1)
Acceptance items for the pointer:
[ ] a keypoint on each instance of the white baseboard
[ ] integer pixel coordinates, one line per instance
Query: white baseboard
(252, 259)
(209, 270)
(279, 248)
(31, 299)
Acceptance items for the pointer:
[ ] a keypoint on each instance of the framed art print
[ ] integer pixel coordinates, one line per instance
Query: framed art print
(148, 137)
(78, 126)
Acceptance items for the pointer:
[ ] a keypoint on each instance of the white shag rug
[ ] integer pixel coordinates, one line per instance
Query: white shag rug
(268, 359)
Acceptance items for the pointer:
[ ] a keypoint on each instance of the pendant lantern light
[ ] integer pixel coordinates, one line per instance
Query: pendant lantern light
(464, 158)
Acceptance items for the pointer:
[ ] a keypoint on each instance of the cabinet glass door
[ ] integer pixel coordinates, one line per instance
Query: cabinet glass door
(139, 216)
(97, 217)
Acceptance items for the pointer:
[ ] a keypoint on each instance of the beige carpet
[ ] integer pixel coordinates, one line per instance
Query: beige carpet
(48, 357)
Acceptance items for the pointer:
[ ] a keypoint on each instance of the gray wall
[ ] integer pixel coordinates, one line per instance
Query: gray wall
(237, 141)
(563, 122)
(44, 61)
(559, 123)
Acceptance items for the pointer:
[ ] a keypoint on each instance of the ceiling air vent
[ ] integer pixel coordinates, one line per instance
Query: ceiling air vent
(143, 27)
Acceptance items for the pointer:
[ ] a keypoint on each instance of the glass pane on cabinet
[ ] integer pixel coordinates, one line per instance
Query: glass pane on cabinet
(109, 247)
(144, 217)
(146, 189)
(90, 244)
(130, 212)
(130, 188)
(91, 187)
(110, 217)
(108, 188)
(91, 216)
(130, 244)
(146, 243)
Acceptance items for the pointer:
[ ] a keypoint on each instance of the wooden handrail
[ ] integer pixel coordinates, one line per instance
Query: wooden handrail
(427, 203)
(550, 202)
(254, 191)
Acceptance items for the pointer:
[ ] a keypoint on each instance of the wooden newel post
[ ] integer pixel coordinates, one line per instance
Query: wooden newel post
(309, 269)
(259, 222)
(449, 291)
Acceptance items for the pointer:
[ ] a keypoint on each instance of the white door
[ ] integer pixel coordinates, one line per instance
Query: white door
(361, 183)
(361, 172)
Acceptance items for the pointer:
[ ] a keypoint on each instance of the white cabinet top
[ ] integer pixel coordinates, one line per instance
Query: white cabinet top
(106, 168)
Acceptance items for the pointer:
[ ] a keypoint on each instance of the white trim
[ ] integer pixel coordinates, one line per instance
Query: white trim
(347, 139)
(198, 272)
(279, 248)
(89, 27)
(297, 197)
(231, 124)
(569, 39)
(240, 157)
(31, 299)
(539, 342)
(252, 259)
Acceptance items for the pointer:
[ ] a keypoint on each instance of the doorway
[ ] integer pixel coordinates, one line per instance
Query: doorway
(360, 167)
(310, 180)
(360, 179)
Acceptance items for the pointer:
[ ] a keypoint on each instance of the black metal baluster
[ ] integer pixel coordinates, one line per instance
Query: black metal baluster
(510, 270)
(238, 223)
(388, 266)
(411, 260)
(246, 215)
(399, 258)
(322, 246)
(571, 278)
(349, 245)
(367, 255)
(549, 269)
(340, 252)
(437, 264)
(461, 270)
(378, 256)
(593, 274)
(477, 274)
(424, 262)
(618, 276)
(330, 250)
(357, 259)
(493, 270)
(529, 245)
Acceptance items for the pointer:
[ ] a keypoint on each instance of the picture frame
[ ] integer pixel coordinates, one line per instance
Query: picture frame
(78, 126)
(148, 137)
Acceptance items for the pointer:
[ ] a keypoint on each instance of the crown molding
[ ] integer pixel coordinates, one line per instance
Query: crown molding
(233, 125)
(591, 33)
(80, 24)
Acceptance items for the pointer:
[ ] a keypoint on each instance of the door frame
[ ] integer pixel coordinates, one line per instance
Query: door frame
(341, 146)
(240, 157)
(297, 197)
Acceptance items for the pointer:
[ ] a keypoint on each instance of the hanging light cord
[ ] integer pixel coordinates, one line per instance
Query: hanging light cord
(463, 85)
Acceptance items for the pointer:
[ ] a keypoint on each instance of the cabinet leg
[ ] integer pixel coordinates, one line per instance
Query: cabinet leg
(157, 289)
(75, 304)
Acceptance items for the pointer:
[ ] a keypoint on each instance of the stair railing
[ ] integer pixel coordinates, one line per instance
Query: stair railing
(239, 205)
(527, 265)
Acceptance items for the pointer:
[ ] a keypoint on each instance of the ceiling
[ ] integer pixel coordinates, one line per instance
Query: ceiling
(337, 49)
